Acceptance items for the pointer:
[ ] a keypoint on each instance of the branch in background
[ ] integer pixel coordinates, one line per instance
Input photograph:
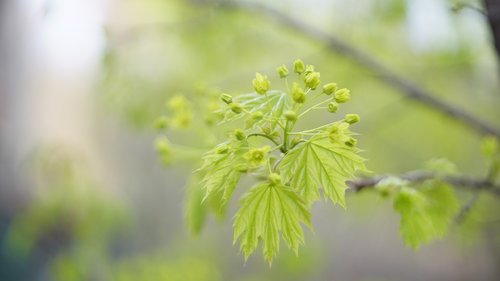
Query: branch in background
(493, 13)
(420, 176)
(408, 88)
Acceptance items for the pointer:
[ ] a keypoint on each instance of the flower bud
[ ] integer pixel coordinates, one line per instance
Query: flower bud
(261, 84)
(161, 122)
(333, 107)
(282, 71)
(296, 140)
(162, 146)
(239, 134)
(329, 88)
(298, 94)
(222, 149)
(312, 80)
(351, 142)
(266, 130)
(298, 66)
(342, 95)
(309, 69)
(227, 99)
(236, 107)
(290, 115)
(257, 115)
(274, 178)
(351, 118)
(256, 156)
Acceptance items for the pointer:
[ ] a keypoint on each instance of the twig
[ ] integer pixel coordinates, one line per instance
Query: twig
(420, 176)
(408, 88)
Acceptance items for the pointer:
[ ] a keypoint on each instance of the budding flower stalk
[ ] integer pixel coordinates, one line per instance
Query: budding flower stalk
(312, 80)
(282, 71)
(342, 95)
(261, 84)
(298, 94)
(329, 88)
(298, 66)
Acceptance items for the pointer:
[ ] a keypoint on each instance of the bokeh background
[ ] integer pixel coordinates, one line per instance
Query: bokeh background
(84, 195)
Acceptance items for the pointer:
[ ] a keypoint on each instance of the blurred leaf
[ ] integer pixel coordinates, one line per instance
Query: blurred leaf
(427, 213)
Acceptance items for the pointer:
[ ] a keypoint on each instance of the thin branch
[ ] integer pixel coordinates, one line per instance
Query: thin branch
(406, 87)
(493, 13)
(420, 176)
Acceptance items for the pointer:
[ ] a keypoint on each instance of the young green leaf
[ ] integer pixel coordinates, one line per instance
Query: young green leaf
(425, 214)
(320, 163)
(268, 209)
(221, 169)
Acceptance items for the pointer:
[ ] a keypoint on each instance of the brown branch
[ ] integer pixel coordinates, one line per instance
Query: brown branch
(406, 87)
(420, 176)
(493, 13)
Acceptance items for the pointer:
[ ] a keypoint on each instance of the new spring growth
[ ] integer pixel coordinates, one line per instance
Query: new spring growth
(290, 115)
(298, 94)
(274, 178)
(222, 149)
(282, 71)
(161, 122)
(298, 66)
(333, 107)
(239, 134)
(236, 107)
(342, 95)
(312, 80)
(338, 132)
(351, 118)
(227, 99)
(261, 84)
(329, 88)
(351, 142)
(256, 156)
(257, 115)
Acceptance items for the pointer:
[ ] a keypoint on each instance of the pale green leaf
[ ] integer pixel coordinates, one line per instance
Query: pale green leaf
(268, 210)
(221, 172)
(319, 163)
(426, 214)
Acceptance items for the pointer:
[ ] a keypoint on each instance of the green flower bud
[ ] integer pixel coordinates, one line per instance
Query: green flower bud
(236, 107)
(351, 118)
(282, 71)
(266, 130)
(274, 178)
(261, 84)
(290, 115)
(226, 98)
(164, 149)
(333, 107)
(342, 95)
(298, 94)
(239, 134)
(330, 88)
(222, 149)
(339, 132)
(296, 140)
(312, 80)
(298, 66)
(161, 122)
(309, 69)
(257, 115)
(162, 146)
(256, 156)
(351, 142)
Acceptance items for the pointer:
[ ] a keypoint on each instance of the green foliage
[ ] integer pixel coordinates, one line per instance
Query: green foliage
(320, 163)
(290, 171)
(426, 213)
(269, 209)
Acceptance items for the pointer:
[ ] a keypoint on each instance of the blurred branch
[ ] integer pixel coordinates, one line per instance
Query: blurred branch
(408, 88)
(493, 13)
(420, 176)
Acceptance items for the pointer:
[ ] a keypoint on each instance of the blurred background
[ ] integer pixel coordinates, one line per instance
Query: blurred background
(84, 195)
